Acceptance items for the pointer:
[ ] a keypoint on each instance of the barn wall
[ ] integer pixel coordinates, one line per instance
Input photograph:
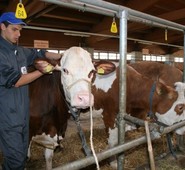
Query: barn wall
(57, 40)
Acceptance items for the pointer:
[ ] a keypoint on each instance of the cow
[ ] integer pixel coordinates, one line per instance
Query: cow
(49, 110)
(76, 79)
(48, 114)
(155, 70)
(166, 105)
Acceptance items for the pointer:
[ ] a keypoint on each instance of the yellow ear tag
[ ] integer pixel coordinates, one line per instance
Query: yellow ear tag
(49, 68)
(20, 11)
(113, 27)
(101, 71)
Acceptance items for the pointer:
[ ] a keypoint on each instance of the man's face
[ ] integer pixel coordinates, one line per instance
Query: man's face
(11, 33)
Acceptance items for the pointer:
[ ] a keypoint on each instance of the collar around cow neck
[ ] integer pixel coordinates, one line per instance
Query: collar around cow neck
(151, 115)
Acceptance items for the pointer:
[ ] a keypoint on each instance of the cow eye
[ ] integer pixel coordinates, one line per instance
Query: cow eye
(65, 71)
(91, 74)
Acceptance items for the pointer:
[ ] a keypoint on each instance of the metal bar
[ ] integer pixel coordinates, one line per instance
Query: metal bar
(81, 33)
(68, 31)
(82, 7)
(171, 128)
(122, 83)
(110, 9)
(134, 120)
(153, 125)
(149, 18)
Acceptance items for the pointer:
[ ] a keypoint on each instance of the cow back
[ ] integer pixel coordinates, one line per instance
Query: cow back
(166, 73)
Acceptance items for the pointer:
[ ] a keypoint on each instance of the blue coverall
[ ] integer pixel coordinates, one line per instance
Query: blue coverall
(14, 103)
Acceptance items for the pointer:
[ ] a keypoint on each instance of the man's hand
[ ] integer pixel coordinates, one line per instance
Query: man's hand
(44, 66)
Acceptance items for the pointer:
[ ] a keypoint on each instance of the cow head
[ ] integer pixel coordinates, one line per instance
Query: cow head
(177, 111)
(77, 72)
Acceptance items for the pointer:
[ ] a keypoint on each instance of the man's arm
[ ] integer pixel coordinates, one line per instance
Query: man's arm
(28, 78)
(53, 56)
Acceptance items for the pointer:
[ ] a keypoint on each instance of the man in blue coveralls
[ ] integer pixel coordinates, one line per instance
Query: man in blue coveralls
(14, 99)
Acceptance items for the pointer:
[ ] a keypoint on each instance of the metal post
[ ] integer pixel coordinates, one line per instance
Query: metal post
(122, 83)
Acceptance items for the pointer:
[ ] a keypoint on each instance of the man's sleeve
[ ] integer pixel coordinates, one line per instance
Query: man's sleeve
(8, 76)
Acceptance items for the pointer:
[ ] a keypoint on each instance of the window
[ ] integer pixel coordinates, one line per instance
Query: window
(103, 56)
(98, 55)
(53, 51)
(178, 59)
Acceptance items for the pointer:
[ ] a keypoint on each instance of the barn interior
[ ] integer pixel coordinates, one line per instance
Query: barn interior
(61, 26)
(58, 26)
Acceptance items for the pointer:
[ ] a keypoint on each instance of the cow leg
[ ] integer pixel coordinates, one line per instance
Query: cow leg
(29, 151)
(50, 144)
(49, 157)
(113, 141)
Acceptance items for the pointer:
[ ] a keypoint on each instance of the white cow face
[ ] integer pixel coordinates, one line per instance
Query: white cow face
(77, 72)
(172, 116)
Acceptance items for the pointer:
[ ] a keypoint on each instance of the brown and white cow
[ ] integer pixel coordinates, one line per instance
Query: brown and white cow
(48, 109)
(167, 104)
(76, 79)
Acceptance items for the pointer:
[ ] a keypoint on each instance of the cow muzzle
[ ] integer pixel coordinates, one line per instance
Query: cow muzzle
(83, 100)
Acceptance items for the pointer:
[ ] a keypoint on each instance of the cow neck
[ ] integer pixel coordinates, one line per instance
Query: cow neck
(150, 114)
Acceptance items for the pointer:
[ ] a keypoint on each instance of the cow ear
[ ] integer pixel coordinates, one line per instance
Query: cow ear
(104, 67)
(58, 67)
(159, 88)
(162, 89)
(159, 91)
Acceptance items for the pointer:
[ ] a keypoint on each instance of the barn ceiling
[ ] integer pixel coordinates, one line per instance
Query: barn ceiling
(51, 16)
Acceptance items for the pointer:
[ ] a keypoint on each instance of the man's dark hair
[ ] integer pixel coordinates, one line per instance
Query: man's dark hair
(6, 23)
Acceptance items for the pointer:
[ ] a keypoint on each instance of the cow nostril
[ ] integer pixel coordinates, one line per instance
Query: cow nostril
(80, 98)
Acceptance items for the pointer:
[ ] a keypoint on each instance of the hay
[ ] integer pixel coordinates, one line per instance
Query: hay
(134, 158)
